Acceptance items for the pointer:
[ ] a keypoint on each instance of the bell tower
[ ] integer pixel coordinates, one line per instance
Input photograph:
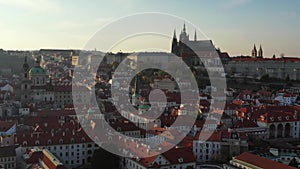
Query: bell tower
(26, 83)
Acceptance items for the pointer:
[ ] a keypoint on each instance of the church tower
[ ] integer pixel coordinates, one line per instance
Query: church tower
(136, 97)
(184, 37)
(195, 36)
(260, 52)
(174, 47)
(254, 51)
(26, 83)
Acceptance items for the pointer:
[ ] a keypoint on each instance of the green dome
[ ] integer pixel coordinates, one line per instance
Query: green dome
(144, 106)
(37, 70)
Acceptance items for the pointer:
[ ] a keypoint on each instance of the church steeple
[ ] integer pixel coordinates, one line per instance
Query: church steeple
(25, 65)
(174, 47)
(260, 52)
(195, 36)
(184, 37)
(174, 35)
(254, 51)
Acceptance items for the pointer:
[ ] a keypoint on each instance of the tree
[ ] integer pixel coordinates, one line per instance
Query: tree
(293, 163)
(104, 159)
(265, 78)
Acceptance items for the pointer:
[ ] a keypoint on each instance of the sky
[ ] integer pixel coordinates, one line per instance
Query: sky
(233, 25)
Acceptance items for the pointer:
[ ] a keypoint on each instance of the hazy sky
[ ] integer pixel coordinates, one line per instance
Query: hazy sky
(233, 25)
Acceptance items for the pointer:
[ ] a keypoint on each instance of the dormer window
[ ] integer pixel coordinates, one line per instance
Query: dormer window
(37, 142)
(279, 118)
(83, 139)
(49, 142)
(272, 118)
(180, 160)
(61, 141)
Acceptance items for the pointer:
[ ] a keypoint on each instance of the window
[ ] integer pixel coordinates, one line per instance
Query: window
(25, 143)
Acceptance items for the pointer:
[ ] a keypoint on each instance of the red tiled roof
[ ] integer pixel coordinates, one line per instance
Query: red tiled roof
(4, 125)
(176, 153)
(261, 162)
(50, 131)
(245, 123)
(35, 156)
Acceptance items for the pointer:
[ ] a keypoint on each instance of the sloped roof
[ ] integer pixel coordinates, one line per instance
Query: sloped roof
(261, 162)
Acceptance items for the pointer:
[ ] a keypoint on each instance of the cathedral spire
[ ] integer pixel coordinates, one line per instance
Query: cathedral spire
(254, 51)
(260, 51)
(195, 36)
(174, 47)
(184, 30)
(174, 36)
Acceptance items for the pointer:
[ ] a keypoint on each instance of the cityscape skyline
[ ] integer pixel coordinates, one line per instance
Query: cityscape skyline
(233, 25)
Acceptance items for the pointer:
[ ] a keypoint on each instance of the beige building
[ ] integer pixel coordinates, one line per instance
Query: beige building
(257, 67)
(252, 161)
(7, 157)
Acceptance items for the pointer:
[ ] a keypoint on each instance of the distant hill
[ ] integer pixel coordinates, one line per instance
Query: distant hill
(14, 62)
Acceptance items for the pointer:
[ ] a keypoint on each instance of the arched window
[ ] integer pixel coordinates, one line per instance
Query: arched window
(25, 143)
(49, 142)
(61, 141)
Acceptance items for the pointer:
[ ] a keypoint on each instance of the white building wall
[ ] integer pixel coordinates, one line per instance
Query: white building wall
(204, 151)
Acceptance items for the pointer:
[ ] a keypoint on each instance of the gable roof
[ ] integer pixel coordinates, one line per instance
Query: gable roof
(250, 159)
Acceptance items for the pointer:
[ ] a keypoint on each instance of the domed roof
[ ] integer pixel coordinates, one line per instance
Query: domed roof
(37, 70)
(144, 106)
